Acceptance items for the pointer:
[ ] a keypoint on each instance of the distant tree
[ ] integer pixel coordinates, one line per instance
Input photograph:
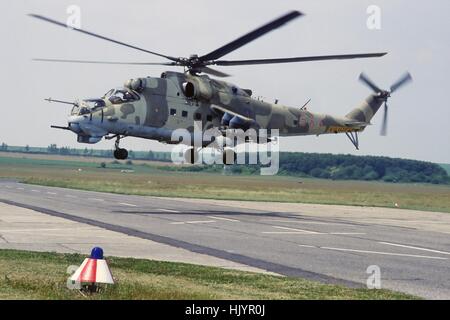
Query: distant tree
(27, 148)
(371, 175)
(64, 151)
(4, 147)
(317, 172)
(389, 178)
(53, 148)
(103, 165)
(105, 153)
(361, 168)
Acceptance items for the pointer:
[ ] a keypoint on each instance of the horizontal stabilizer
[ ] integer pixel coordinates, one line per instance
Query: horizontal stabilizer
(356, 124)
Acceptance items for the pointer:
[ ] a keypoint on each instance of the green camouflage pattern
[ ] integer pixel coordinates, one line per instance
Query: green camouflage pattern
(165, 104)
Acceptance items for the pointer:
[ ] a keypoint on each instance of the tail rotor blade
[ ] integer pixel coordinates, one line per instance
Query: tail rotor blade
(385, 119)
(365, 79)
(401, 82)
(383, 95)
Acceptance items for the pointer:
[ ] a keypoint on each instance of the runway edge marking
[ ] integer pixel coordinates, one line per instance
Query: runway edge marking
(412, 247)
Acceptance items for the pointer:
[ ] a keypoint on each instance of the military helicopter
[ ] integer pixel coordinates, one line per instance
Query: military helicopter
(153, 107)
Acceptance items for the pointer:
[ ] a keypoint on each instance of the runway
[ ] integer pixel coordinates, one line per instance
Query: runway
(331, 244)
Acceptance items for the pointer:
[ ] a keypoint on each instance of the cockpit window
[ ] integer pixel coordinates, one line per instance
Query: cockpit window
(87, 106)
(84, 110)
(78, 111)
(94, 104)
(121, 96)
(75, 110)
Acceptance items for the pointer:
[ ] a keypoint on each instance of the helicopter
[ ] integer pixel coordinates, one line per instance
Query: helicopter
(154, 107)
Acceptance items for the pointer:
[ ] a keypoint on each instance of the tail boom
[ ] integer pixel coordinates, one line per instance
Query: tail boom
(367, 109)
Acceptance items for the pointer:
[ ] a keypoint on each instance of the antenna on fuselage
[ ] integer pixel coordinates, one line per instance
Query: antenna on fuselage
(303, 107)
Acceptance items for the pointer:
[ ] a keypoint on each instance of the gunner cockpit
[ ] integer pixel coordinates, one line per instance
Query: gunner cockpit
(87, 106)
(114, 96)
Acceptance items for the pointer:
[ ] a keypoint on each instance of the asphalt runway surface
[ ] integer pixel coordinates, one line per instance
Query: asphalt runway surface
(327, 249)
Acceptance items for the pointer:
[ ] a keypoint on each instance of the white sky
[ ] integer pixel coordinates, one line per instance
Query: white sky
(416, 37)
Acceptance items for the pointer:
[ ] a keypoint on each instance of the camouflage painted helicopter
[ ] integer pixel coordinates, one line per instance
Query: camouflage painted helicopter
(153, 107)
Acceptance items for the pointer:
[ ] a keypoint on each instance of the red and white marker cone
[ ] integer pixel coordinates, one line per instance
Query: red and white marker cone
(93, 270)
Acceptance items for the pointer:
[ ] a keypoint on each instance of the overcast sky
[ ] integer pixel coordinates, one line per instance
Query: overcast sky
(416, 38)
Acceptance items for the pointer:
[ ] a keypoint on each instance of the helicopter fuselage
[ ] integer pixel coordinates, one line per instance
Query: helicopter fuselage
(154, 107)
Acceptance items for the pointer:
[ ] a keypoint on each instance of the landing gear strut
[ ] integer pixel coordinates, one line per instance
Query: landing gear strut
(353, 137)
(120, 153)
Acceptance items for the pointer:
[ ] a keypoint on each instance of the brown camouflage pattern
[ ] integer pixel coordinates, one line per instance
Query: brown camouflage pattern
(150, 116)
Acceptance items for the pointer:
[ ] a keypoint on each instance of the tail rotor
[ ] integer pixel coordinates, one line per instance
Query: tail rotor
(384, 94)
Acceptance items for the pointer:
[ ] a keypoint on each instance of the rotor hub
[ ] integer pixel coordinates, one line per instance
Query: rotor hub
(384, 94)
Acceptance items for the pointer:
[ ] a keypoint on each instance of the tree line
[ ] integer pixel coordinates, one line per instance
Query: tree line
(350, 167)
(344, 167)
(316, 165)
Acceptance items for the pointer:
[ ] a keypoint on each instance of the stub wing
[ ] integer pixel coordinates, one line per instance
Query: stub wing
(235, 114)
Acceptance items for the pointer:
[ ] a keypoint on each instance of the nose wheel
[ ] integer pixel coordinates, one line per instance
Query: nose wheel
(120, 153)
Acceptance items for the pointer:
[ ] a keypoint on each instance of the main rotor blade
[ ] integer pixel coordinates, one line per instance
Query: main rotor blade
(365, 79)
(402, 81)
(297, 59)
(99, 36)
(220, 52)
(214, 72)
(108, 62)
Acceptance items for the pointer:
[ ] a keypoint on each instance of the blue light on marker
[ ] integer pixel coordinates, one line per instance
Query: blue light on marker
(97, 253)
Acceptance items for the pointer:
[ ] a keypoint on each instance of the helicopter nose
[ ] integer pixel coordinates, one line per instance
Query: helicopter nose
(74, 123)
(75, 127)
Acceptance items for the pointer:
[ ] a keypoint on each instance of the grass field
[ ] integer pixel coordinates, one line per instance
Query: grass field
(153, 179)
(33, 275)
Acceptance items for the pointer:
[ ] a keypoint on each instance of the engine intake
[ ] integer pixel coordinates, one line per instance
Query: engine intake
(198, 88)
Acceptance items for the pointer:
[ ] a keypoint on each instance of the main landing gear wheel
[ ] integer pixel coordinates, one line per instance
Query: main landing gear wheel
(120, 154)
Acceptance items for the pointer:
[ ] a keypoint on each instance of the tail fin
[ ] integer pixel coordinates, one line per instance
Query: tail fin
(367, 109)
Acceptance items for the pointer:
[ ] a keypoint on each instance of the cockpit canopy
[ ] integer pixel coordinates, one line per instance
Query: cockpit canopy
(115, 96)
(121, 95)
(87, 106)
